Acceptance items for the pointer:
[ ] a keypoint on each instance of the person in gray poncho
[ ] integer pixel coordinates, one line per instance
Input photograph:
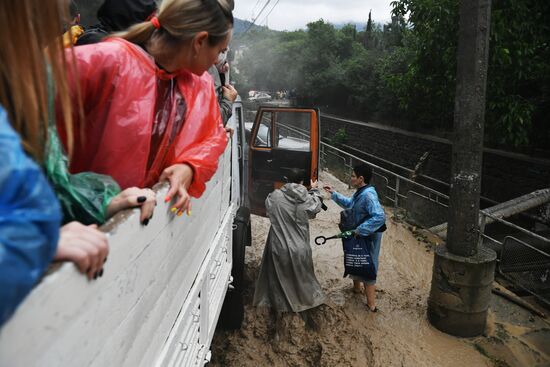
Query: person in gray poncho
(287, 281)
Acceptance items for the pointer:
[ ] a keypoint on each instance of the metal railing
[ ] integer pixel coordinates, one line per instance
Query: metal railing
(523, 256)
(396, 182)
(345, 157)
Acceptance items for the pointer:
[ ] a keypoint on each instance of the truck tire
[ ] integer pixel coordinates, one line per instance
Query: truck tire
(232, 313)
(249, 235)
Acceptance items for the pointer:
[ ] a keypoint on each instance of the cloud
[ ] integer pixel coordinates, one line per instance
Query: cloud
(292, 14)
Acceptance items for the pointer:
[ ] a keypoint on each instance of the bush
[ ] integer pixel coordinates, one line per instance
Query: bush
(341, 137)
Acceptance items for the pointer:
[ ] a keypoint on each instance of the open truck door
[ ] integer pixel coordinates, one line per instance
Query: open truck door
(281, 139)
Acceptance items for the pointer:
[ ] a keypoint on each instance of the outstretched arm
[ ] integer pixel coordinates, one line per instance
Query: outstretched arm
(313, 203)
(342, 200)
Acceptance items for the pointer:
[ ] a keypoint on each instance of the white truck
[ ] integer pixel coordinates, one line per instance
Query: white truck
(164, 285)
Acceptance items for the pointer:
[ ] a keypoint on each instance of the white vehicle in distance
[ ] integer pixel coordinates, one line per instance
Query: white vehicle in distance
(260, 97)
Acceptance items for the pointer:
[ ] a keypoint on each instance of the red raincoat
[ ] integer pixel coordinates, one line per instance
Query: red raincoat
(133, 117)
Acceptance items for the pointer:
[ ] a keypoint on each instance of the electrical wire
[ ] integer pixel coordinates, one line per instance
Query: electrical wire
(255, 19)
(265, 18)
(254, 8)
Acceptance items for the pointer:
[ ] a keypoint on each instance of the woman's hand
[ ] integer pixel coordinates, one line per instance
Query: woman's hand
(229, 92)
(85, 246)
(180, 177)
(229, 131)
(133, 197)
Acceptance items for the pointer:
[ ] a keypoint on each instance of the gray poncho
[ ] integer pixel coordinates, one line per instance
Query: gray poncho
(287, 280)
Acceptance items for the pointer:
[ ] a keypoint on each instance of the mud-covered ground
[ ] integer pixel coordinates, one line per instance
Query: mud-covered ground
(343, 333)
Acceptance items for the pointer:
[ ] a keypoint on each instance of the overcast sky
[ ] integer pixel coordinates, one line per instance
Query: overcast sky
(295, 14)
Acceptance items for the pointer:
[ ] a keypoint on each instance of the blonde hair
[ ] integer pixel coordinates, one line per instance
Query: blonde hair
(181, 20)
(30, 39)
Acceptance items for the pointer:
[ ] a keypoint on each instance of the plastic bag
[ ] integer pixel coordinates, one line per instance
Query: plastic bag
(357, 257)
(347, 220)
(29, 221)
(84, 196)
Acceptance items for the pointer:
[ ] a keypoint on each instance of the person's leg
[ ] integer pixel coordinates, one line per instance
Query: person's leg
(370, 287)
(358, 286)
(370, 291)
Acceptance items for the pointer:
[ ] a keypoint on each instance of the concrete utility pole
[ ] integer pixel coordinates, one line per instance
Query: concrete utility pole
(463, 273)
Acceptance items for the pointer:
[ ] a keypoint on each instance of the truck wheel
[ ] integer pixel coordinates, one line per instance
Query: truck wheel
(249, 235)
(232, 313)
(239, 246)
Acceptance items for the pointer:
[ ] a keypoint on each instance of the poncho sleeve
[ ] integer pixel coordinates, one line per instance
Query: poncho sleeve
(29, 222)
(93, 81)
(368, 202)
(84, 196)
(344, 201)
(204, 139)
(313, 203)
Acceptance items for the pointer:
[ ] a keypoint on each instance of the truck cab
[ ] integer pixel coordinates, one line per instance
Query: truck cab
(280, 139)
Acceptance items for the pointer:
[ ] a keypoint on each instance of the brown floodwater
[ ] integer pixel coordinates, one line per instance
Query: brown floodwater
(343, 332)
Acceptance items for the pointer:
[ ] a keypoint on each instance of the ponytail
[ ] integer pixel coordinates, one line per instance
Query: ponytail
(139, 33)
(181, 20)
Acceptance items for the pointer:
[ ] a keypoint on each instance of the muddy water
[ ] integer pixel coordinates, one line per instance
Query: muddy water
(343, 332)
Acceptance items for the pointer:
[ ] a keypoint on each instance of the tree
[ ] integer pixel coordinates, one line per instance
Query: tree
(368, 37)
(518, 78)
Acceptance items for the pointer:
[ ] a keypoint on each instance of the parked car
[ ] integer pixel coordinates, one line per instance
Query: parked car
(260, 97)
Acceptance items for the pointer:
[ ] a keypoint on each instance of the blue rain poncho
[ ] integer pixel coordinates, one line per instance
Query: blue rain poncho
(369, 216)
(367, 211)
(30, 218)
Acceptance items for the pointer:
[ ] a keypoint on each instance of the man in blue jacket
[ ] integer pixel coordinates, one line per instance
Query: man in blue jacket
(369, 217)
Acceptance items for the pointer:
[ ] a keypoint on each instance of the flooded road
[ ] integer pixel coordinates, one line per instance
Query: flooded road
(343, 332)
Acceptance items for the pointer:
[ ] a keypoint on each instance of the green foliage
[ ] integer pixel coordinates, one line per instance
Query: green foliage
(323, 65)
(518, 75)
(341, 137)
(403, 72)
(426, 88)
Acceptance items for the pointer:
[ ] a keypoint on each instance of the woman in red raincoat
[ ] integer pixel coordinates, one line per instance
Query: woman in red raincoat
(150, 111)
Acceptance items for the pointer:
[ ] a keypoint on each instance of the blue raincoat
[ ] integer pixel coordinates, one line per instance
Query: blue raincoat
(365, 204)
(30, 218)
